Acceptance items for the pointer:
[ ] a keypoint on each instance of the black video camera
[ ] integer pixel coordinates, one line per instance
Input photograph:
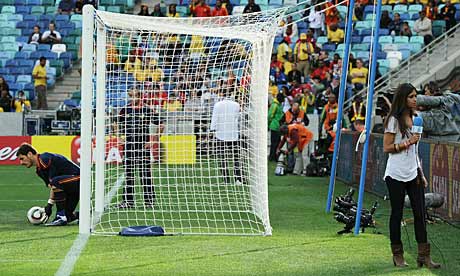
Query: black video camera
(345, 212)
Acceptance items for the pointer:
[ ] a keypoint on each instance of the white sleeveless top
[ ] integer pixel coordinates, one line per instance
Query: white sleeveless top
(401, 166)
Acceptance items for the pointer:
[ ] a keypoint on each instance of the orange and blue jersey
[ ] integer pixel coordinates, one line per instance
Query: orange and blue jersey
(56, 169)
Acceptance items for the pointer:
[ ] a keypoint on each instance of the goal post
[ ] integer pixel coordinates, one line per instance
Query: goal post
(154, 150)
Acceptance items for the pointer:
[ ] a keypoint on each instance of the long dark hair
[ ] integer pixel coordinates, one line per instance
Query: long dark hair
(399, 106)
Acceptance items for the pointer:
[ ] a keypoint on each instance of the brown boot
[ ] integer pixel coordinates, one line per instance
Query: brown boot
(398, 255)
(424, 257)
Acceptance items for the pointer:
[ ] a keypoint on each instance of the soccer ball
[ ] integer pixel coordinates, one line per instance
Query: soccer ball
(36, 215)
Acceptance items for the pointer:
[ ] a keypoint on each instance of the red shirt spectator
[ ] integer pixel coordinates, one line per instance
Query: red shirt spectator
(296, 90)
(320, 72)
(200, 10)
(219, 10)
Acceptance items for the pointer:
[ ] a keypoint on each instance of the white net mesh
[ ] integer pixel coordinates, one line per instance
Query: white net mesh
(181, 107)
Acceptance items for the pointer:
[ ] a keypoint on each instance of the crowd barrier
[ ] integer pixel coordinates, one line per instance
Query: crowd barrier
(440, 161)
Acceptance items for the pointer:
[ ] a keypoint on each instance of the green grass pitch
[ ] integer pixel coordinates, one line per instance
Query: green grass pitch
(304, 240)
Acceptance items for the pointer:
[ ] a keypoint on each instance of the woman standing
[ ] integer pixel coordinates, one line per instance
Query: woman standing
(404, 174)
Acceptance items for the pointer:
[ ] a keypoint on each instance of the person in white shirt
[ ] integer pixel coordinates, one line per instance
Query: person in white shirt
(51, 36)
(422, 27)
(225, 122)
(35, 37)
(404, 174)
(316, 20)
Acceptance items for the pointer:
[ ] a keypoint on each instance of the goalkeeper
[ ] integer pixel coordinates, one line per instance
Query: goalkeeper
(134, 123)
(61, 175)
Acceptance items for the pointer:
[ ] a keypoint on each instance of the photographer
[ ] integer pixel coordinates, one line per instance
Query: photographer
(21, 104)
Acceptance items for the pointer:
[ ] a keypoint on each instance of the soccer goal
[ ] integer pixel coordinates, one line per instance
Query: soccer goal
(150, 154)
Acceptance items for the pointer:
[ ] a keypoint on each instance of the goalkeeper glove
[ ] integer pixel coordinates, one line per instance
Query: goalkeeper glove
(49, 209)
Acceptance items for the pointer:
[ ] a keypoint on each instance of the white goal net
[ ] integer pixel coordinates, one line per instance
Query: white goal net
(174, 113)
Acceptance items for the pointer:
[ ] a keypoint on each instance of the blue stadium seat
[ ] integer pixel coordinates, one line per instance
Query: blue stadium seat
(405, 16)
(51, 71)
(15, 17)
(355, 39)
(366, 32)
(22, 39)
(401, 39)
(387, 8)
(50, 55)
(22, 25)
(29, 48)
(400, 8)
(16, 86)
(415, 16)
(361, 47)
(24, 79)
(276, 2)
(47, 17)
(6, 55)
(8, 10)
(405, 54)
(34, 2)
(384, 31)
(368, 9)
(10, 79)
(8, 39)
(404, 46)
(4, 71)
(44, 47)
(37, 10)
(29, 87)
(30, 18)
(364, 55)
(415, 47)
(321, 39)
(16, 71)
(26, 63)
(381, 55)
(8, 24)
(62, 17)
(389, 47)
(360, 25)
(12, 63)
(20, 2)
(21, 55)
(367, 39)
(415, 8)
(36, 55)
(10, 47)
(65, 32)
(329, 47)
(23, 9)
(385, 39)
(417, 39)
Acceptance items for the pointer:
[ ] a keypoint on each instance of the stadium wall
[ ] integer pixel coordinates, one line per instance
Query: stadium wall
(441, 164)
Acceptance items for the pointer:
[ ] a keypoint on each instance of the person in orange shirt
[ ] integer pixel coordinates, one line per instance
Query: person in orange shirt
(219, 10)
(298, 138)
(329, 116)
(332, 14)
(200, 9)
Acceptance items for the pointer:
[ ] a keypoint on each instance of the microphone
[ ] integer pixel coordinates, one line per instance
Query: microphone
(417, 126)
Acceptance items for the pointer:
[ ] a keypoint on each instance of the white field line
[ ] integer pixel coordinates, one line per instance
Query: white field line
(79, 244)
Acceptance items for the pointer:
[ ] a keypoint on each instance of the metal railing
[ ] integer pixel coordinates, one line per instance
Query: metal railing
(405, 68)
